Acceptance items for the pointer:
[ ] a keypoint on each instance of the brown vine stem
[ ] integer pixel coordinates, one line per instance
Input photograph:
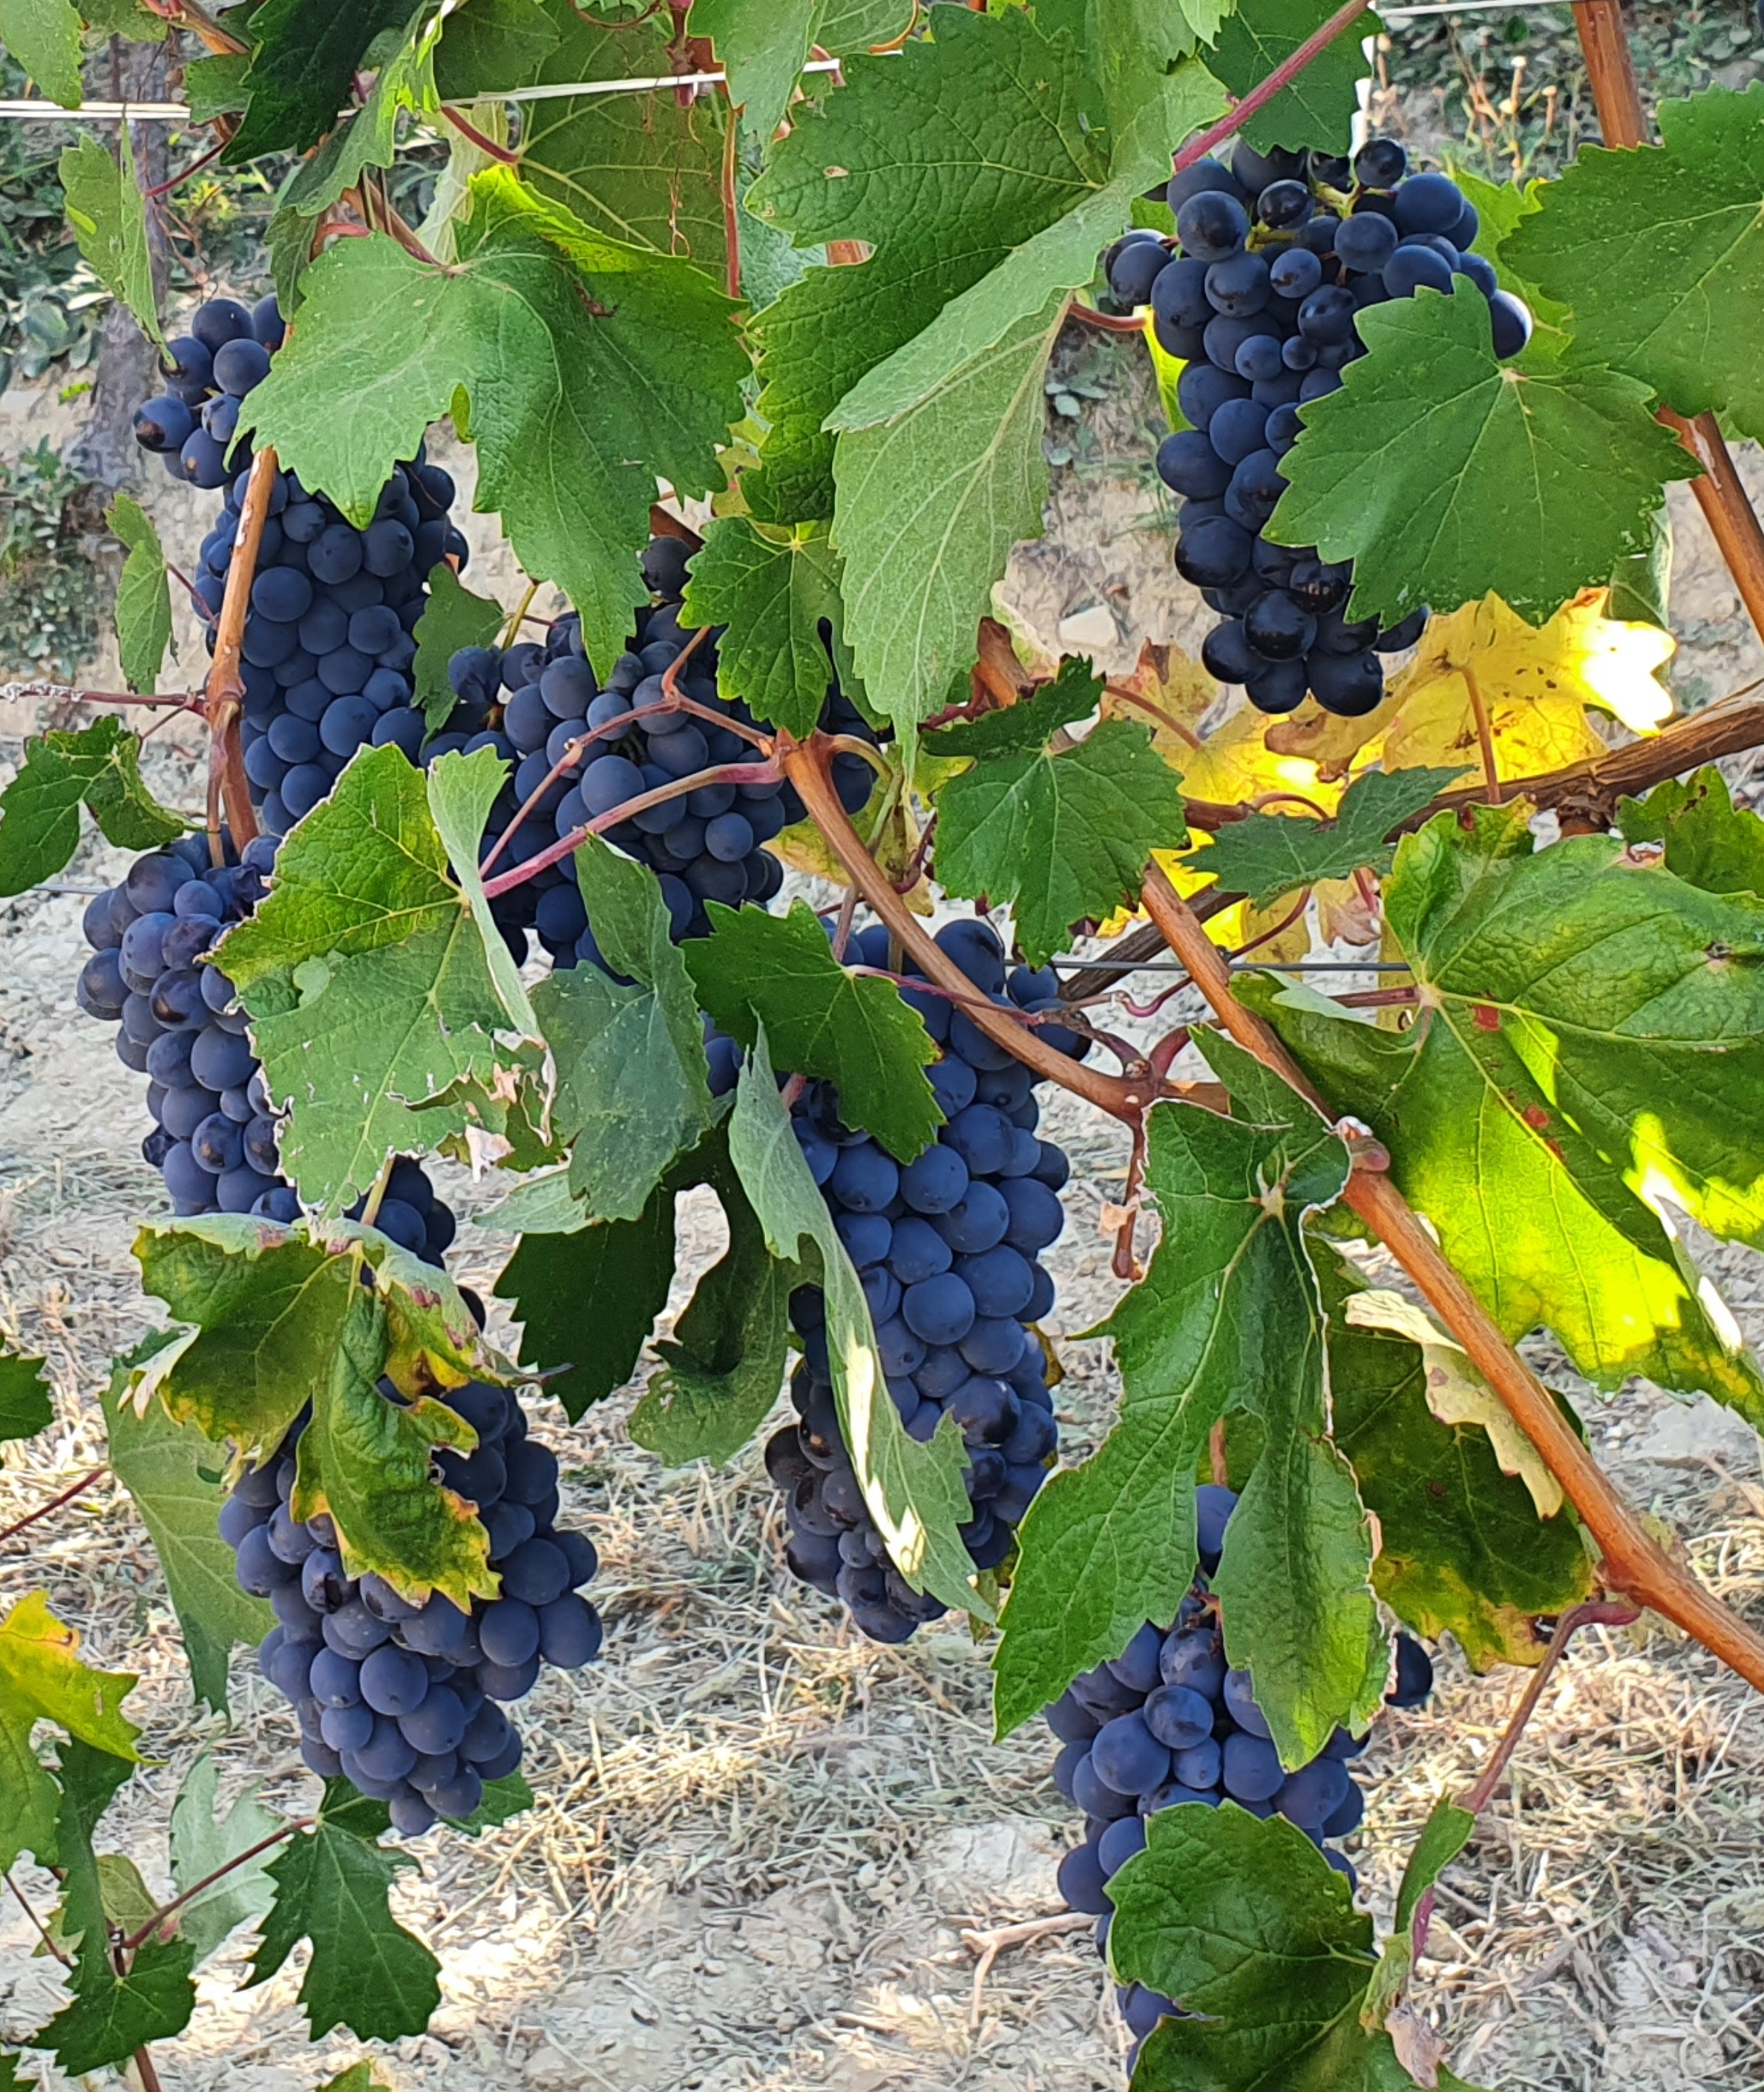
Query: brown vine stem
(1278, 81)
(146, 2070)
(1720, 492)
(806, 765)
(1633, 1563)
(227, 780)
(55, 1503)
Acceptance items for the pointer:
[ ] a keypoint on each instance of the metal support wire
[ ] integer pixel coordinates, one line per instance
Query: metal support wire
(36, 109)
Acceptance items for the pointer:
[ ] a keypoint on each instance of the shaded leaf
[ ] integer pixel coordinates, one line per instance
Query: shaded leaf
(98, 765)
(303, 68)
(25, 1408)
(168, 1470)
(143, 595)
(1462, 1546)
(1318, 110)
(777, 973)
(633, 1081)
(451, 619)
(587, 1300)
(1709, 841)
(1058, 837)
(109, 217)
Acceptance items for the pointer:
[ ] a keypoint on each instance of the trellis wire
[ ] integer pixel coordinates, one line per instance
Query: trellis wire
(35, 110)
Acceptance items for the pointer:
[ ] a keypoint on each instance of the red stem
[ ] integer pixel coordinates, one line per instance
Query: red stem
(140, 1937)
(1278, 81)
(1104, 323)
(55, 1503)
(722, 773)
(487, 146)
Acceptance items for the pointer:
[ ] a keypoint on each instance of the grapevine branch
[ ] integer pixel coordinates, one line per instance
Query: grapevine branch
(806, 766)
(1720, 493)
(1633, 1563)
(227, 780)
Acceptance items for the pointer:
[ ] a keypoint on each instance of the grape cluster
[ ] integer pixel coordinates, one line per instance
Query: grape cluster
(405, 1700)
(946, 1248)
(327, 646)
(532, 704)
(1168, 1722)
(1275, 258)
(214, 1130)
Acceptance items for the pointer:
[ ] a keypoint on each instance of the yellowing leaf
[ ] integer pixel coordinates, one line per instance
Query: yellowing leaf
(1535, 686)
(1239, 763)
(1169, 692)
(1456, 1391)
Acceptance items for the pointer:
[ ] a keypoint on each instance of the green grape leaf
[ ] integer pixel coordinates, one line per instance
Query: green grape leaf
(303, 69)
(362, 2076)
(587, 1300)
(109, 2016)
(25, 1408)
(215, 86)
(1589, 1045)
(1445, 475)
(1318, 110)
(1709, 841)
(279, 1320)
(633, 167)
(588, 369)
(926, 511)
(913, 1492)
(763, 44)
(893, 160)
(633, 1088)
(502, 1801)
(373, 971)
(42, 39)
(168, 1470)
(1057, 836)
(110, 220)
(11, 2080)
(1060, 259)
(143, 594)
(1461, 1544)
(203, 1841)
(1501, 206)
(1248, 1926)
(723, 1366)
(1682, 325)
(42, 1679)
(332, 1887)
(1132, 45)
(1447, 1830)
(777, 973)
(451, 619)
(772, 591)
(1227, 1317)
(1267, 855)
(99, 765)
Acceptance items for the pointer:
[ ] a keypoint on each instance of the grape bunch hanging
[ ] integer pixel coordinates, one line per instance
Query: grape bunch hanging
(1167, 1723)
(946, 1250)
(1275, 259)
(328, 649)
(404, 1700)
(577, 751)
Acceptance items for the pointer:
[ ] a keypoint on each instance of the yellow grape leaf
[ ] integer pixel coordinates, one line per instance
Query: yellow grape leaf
(1344, 914)
(1456, 1391)
(1238, 763)
(1168, 370)
(1314, 735)
(1536, 686)
(1171, 693)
